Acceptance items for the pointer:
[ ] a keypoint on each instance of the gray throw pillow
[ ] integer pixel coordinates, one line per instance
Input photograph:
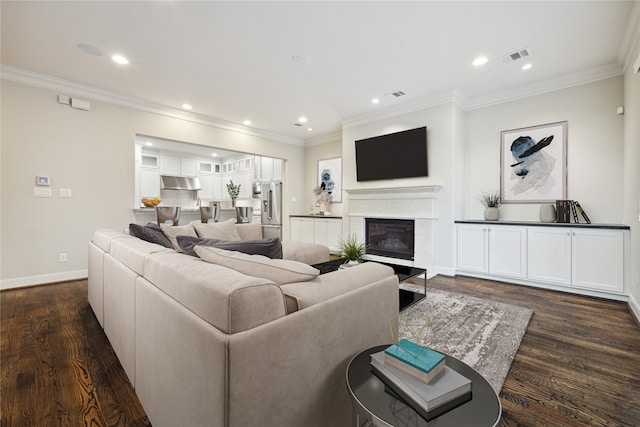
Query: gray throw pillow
(151, 233)
(271, 248)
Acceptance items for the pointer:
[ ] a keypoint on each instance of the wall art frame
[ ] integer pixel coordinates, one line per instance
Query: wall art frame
(533, 163)
(330, 173)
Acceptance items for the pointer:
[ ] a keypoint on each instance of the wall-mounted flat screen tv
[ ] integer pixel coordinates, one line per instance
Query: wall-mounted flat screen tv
(396, 155)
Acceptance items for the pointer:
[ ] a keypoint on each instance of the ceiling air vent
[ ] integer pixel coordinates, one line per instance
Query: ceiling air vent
(519, 54)
(398, 94)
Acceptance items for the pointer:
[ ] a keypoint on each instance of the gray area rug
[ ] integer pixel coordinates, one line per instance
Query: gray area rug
(483, 334)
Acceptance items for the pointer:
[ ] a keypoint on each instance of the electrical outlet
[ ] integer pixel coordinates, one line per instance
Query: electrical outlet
(64, 257)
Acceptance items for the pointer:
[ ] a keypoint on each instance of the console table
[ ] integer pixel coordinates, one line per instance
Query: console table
(404, 273)
(372, 406)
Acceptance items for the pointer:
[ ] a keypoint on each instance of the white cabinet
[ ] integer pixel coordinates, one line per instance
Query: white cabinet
(302, 229)
(581, 259)
(324, 231)
(472, 247)
(492, 249)
(549, 259)
(149, 182)
(268, 168)
(178, 166)
(598, 259)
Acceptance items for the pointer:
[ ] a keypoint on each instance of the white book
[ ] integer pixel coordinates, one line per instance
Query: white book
(446, 387)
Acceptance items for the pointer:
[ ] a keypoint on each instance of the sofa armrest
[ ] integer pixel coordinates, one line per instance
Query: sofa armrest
(309, 253)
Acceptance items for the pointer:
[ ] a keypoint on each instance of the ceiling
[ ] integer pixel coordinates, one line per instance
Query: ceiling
(272, 62)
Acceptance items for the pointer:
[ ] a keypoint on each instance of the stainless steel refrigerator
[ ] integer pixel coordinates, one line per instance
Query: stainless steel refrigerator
(271, 209)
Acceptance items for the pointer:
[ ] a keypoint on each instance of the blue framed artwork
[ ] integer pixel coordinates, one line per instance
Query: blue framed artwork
(533, 164)
(330, 177)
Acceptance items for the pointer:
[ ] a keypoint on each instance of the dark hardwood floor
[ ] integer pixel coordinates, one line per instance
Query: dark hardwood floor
(578, 364)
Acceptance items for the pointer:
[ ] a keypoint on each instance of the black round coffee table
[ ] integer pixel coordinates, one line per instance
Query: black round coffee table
(373, 406)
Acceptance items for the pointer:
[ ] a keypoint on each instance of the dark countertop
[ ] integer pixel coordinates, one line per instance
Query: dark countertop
(546, 224)
(315, 216)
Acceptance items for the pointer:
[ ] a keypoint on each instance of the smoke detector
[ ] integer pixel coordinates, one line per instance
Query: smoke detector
(518, 54)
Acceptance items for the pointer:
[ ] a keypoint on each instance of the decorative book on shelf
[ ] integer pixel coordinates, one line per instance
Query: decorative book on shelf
(447, 391)
(565, 209)
(415, 360)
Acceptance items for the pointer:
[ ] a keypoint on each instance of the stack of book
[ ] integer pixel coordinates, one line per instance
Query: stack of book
(419, 376)
(567, 208)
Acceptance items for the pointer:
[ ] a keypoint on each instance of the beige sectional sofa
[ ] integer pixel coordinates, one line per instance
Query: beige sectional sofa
(207, 345)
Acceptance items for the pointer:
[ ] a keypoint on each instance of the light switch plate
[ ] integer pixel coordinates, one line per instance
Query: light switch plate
(65, 192)
(42, 192)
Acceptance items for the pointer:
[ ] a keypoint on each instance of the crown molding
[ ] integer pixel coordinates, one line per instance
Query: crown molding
(324, 139)
(548, 85)
(44, 81)
(434, 100)
(631, 37)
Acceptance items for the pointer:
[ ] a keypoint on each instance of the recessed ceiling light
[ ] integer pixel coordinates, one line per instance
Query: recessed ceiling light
(148, 144)
(309, 129)
(247, 122)
(187, 106)
(302, 119)
(214, 154)
(120, 59)
(527, 66)
(375, 101)
(480, 60)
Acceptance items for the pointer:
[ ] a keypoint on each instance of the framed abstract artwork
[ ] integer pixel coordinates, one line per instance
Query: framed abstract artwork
(330, 177)
(533, 164)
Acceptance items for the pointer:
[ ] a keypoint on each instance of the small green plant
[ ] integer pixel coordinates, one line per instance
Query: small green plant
(351, 249)
(233, 189)
(490, 199)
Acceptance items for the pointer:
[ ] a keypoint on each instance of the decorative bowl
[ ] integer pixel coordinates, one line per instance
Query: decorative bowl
(150, 202)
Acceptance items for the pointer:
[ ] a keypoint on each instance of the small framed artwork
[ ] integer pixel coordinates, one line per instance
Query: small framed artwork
(533, 164)
(43, 181)
(330, 177)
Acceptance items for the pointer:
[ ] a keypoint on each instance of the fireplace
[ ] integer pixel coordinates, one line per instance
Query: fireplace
(393, 238)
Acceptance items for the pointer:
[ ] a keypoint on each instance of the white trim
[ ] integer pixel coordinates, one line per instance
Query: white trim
(78, 89)
(635, 308)
(21, 282)
(422, 192)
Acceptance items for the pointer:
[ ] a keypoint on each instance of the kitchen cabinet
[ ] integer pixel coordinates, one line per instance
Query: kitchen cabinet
(268, 168)
(149, 182)
(588, 259)
(321, 230)
(495, 250)
(178, 166)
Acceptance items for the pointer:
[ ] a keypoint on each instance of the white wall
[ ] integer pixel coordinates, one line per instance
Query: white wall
(92, 153)
(632, 172)
(594, 148)
(441, 142)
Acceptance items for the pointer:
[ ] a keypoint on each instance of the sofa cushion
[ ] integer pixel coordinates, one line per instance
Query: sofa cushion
(309, 253)
(132, 251)
(225, 230)
(230, 301)
(249, 231)
(330, 285)
(279, 271)
(151, 233)
(102, 238)
(271, 248)
(173, 231)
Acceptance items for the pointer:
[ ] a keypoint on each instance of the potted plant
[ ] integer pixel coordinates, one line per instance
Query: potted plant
(491, 201)
(352, 250)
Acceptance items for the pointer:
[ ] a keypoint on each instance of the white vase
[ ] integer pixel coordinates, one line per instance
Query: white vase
(324, 207)
(492, 214)
(547, 213)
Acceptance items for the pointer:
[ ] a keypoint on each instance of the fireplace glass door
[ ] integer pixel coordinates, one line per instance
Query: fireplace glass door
(392, 238)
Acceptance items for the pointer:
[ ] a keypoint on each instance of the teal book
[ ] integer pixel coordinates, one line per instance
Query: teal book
(416, 360)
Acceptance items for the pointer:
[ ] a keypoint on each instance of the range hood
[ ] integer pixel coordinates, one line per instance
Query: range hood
(180, 183)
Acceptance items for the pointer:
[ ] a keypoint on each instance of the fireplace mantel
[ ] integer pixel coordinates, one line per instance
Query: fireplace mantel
(422, 192)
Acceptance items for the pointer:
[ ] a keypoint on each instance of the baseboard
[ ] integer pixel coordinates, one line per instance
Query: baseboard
(22, 282)
(635, 308)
